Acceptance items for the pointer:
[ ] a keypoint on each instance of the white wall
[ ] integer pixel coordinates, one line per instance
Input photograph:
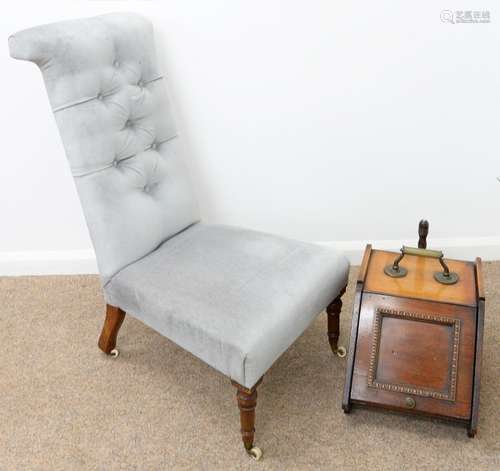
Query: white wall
(318, 119)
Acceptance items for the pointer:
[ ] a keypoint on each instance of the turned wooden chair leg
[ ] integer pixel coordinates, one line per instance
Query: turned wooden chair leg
(112, 324)
(333, 315)
(247, 401)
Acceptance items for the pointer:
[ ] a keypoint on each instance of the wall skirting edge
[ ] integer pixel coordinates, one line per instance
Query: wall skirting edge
(64, 262)
(71, 262)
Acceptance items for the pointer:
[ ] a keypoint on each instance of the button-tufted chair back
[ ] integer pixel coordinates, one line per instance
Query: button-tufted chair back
(110, 103)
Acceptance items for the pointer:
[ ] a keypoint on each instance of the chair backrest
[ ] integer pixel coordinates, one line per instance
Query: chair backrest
(115, 120)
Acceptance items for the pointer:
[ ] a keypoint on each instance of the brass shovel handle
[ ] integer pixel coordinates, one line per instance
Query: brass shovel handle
(396, 271)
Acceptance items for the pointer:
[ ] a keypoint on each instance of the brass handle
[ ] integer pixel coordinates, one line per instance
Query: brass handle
(410, 403)
(396, 271)
(421, 252)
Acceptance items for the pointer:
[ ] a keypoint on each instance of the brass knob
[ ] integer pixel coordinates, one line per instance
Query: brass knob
(410, 403)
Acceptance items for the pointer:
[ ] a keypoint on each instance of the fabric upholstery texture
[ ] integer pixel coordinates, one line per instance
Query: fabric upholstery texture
(111, 106)
(235, 298)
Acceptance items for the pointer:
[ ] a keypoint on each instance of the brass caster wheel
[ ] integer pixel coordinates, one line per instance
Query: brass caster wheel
(114, 353)
(341, 352)
(255, 453)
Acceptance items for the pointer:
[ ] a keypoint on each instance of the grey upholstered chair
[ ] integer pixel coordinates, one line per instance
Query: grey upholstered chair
(235, 298)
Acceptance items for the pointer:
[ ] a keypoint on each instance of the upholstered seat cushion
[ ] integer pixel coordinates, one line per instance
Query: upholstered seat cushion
(235, 298)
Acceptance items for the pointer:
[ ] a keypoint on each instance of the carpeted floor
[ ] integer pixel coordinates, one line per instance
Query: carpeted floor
(66, 406)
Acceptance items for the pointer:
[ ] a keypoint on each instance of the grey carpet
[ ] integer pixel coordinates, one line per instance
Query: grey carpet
(66, 406)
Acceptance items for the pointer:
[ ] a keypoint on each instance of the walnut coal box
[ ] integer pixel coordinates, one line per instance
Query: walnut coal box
(416, 336)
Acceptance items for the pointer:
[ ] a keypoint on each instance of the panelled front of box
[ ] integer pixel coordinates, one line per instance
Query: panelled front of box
(415, 355)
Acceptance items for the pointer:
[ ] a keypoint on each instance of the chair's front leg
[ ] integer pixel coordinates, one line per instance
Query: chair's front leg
(333, 315)
(112, 324)
(247, 401)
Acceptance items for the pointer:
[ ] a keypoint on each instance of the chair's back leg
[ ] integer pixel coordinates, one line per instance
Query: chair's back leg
(112, 324)
(333, 315)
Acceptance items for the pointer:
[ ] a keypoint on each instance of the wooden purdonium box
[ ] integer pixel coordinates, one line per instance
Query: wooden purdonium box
(416, 335)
